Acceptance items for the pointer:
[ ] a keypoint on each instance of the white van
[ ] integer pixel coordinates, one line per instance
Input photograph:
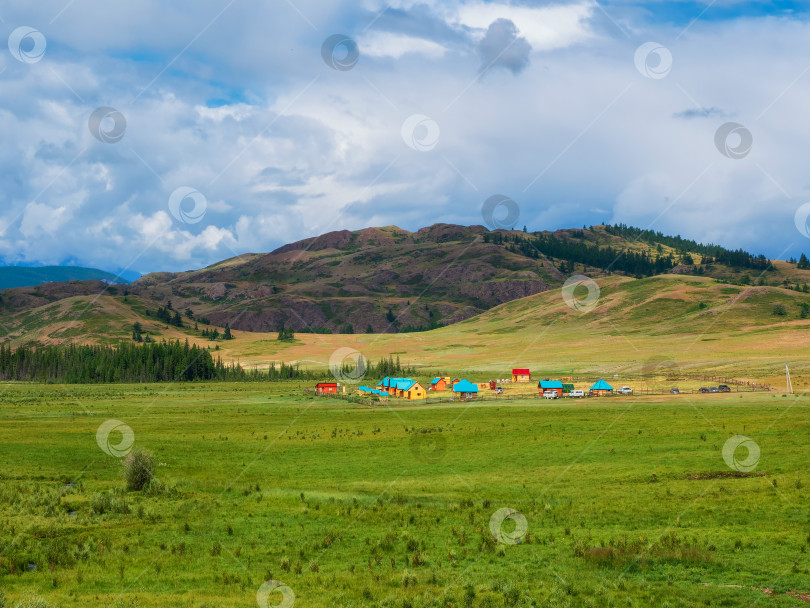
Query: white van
(579, 394)
(550, 394)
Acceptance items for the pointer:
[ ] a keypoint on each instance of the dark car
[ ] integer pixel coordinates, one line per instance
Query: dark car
(724, 388)
(714, 389)
(675, 391)
(703, 389)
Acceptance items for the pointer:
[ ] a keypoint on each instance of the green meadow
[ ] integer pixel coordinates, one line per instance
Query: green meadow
(622, 501)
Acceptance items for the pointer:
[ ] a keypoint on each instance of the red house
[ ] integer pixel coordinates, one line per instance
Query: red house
(326, 387)
(521, 375)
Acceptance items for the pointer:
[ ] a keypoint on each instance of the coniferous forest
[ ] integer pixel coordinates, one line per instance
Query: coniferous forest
(150, 362)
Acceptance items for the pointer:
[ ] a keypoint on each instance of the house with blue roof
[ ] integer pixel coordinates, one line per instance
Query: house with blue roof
(465, 389)
(405, 388)
(389, 384)
(439, 383)
(550, 385)
(601, 388)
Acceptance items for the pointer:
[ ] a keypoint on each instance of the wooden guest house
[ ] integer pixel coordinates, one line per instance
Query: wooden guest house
(411, 389)
(601, 388)
(465, 390)
(404, 388)
(439, 383)
(521, 375)
(550, 385)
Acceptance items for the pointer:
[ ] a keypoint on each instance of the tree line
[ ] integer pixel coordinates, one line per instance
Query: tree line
(709, 253)
(577, 250)
(171, 361)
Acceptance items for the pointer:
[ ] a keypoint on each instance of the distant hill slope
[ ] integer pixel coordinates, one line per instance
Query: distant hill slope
(697, 324)
(378, 280)
(23, 276)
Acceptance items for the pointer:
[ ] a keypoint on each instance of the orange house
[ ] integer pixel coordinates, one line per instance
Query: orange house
(326, 387)
(521, 375)
(438, 384)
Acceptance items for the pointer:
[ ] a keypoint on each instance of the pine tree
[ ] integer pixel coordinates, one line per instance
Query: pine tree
(227, 335)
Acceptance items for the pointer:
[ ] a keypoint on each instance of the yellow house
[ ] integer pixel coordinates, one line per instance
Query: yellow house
(411, 390)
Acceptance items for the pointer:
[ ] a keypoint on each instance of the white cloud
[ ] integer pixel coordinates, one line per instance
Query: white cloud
(294, 148)
(43, 220)
(383, 44)
(546, 28)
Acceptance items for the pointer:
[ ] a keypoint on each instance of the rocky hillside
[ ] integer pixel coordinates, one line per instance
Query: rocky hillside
(387, 280)
(377, 280)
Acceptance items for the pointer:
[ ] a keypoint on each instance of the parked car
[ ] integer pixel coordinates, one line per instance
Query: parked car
(674, 390)
(724, 388)
(579, 394)
(714, 389)
(703, 389)
(625, 390)
(550, 394)
(499, 390)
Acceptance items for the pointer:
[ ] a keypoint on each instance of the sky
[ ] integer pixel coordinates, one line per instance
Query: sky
(171, 135)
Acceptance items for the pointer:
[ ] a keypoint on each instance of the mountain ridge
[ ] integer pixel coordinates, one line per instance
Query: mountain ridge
(390, 280)
(29, 276)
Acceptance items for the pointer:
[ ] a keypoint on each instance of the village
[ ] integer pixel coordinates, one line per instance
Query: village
(461, 389)
(521, 385)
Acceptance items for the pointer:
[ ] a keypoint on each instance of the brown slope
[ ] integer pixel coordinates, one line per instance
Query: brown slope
(438, 275)
(348, 280)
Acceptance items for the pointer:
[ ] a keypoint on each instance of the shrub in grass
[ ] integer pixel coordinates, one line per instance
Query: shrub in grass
(139, 468)
(109, 502)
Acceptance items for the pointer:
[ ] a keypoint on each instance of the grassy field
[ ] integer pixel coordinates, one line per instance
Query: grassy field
(626, 501)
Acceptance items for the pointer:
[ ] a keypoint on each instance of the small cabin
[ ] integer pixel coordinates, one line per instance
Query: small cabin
(411, 390)
(601, 388)
(521, 375)
(465, 390)
(550, 385)
(323, 388)
(438, 384)
(389, 385)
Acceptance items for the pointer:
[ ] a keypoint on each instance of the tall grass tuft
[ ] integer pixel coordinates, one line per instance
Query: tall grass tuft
(139, 469)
